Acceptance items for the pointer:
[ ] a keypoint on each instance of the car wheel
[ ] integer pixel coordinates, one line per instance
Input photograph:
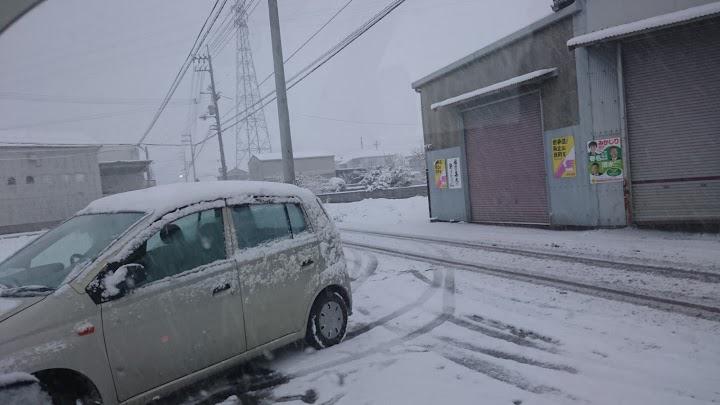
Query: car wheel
(328, 321)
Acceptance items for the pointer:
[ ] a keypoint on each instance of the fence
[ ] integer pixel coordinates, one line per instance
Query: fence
(391, 193)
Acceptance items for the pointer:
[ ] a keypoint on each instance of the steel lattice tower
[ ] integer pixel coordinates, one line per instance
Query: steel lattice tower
(251, 134)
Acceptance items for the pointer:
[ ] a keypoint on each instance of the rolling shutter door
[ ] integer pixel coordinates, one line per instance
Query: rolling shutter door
(672, 85)
(505, 158)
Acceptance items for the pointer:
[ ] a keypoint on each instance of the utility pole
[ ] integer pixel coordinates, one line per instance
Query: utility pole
(215, 97)
(281, 91)
(187, 138)
(150, 179)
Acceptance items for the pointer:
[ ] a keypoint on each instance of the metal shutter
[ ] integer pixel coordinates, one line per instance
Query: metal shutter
(672, 85)
(505, 159)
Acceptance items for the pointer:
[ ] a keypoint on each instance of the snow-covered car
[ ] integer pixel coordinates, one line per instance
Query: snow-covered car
(143, 292)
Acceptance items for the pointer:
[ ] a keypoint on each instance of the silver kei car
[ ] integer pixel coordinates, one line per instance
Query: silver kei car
(143, 292)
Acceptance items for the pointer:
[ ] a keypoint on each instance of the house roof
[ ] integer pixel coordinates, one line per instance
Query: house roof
(298, 155)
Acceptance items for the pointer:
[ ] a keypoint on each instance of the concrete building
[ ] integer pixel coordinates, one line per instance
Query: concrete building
(121, 169)
(604, 113)
(268, 166)
(43, 185)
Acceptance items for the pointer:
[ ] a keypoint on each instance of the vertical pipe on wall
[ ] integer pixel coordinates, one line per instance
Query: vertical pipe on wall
(627, 189)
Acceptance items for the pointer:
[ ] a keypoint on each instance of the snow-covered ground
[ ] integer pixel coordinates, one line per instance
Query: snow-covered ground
(422, 333)
(683, 250)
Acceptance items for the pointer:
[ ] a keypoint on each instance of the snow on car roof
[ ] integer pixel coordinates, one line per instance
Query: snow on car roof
(168, 197)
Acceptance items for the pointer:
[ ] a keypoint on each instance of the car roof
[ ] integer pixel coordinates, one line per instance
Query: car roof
(166, 198)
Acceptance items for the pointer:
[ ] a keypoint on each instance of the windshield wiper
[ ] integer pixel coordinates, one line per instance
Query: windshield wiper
(26, 291)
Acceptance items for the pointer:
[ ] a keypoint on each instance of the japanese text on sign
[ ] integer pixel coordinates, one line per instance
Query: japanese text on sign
(563, 156)
(454, 173)
(605, 160)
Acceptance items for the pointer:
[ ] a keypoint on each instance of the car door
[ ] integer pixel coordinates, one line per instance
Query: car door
(278, 264)
(186, 315)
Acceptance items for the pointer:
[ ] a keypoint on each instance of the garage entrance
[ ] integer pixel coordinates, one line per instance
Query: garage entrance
(672, 86)
(505, 159)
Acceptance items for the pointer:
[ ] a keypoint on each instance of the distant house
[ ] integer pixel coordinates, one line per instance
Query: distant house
(42, 185)
(237, 174)
(121, 169)
(268, 166)
(368, 160)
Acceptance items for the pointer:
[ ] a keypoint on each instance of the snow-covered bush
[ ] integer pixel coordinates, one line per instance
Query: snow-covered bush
(321, 184)
(336, 184)
(386, 177)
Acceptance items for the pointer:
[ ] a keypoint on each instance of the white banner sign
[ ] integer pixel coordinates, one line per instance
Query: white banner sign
(454, 173)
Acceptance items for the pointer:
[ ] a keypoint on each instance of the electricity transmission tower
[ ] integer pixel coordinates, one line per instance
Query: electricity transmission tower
(251, 135)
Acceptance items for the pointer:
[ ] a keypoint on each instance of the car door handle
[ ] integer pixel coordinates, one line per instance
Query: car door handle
(220, 288)
(307, 262)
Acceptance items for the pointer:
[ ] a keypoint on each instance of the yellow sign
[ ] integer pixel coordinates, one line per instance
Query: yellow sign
(441, 179)
(563, 156)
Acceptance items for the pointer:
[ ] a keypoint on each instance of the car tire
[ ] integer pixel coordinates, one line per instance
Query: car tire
(328, 321)
(71, 391)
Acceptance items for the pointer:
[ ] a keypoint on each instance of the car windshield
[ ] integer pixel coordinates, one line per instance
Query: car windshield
(45, 263)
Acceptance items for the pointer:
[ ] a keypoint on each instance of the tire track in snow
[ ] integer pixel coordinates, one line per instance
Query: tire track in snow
(364, 328)
(517, 336)
(368, 270)
(653, 301)
(447, 313)
(499, 354)
(497, 372)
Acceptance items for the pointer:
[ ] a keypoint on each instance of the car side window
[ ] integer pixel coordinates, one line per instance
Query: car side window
(189, 242)
(297, 218)
(256, 224)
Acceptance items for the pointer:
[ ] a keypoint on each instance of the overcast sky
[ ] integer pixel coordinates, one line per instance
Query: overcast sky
(88, 70)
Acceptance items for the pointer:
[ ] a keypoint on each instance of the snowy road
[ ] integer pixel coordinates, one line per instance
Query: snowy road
(427, 334)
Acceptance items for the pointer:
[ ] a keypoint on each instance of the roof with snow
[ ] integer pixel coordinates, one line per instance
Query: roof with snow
(166, 198)
(647, 25)
(346, 157)
(299, 155)
(531, 77)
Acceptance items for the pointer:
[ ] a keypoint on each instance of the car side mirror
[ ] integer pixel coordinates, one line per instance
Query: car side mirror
(112, 284)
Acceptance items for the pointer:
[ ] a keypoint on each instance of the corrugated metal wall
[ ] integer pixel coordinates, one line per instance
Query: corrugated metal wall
(672, 84)
(505, 160)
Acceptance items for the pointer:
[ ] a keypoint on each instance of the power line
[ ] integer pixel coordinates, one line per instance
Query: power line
(199, 40)
(76, 119)
(298, 49)
(311, 37)
(320, 61)
(46, 98)
(17, 143)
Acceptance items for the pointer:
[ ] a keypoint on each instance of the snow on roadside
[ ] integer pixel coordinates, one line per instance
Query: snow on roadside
(380, 211)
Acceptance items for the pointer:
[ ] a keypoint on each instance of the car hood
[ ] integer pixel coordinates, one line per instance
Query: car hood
(10, 306)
